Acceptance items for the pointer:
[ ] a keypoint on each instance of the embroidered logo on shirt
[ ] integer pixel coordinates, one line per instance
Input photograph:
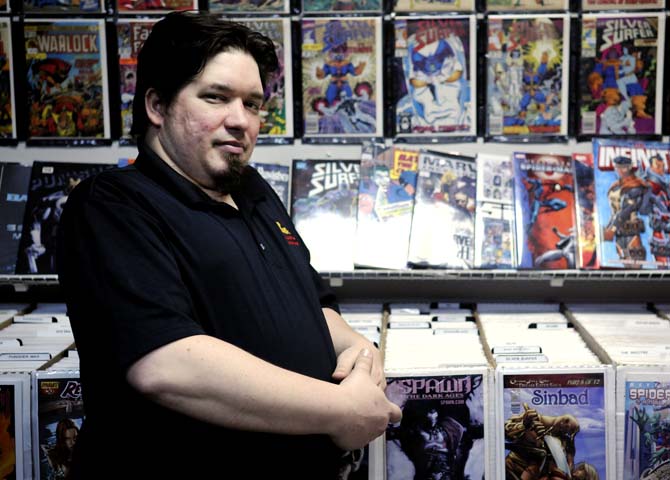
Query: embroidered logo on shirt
(288, 236)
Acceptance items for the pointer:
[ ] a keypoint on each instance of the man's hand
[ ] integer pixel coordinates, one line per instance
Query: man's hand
(348, 357)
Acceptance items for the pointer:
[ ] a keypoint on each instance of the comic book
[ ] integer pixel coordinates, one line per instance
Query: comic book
(546, 226)
(57, 413)
(72, 7)
(526, 5)
(14, 179)
(277, 110)
(341, 79)
(66, 65)
(341, 6)
(526, 61)
(587, 221)
(264, 7)
(15, 458)
(385, 200)
(50, 185)
(131, 34)
(433, 6)
(4, 6)
(324, 203)
(444, 428)
(632, 203)
(8, 108)
(443, 220)
(589, 5)
(434, 77)
(279, 178)
(621, 74)
(135, 7)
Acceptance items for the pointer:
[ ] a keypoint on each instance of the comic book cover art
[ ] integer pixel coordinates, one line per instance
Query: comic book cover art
(341, 78)
(545, 211)
(341, 6)
(58, 413)
(8, 107)
(249, 6)
(50, 185)
(154, 6)
(324, 203)
(279, 178)
(526, 75)
(385, 199)
(277, 110)
(494, 237)
(131, 34)
(414, 6)
(66, 68)
(9, 449)
(587, 221)
(633, 203)
(434, 76)
(555, 425)
(4, 6)
(441, 434)
(621, 74)
(14, 179)
(443, 220)
(525, 5)
(588, 5)
(63, 6)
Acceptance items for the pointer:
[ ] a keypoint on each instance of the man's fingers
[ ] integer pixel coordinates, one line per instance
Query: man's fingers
(396, 413)
(364, 361)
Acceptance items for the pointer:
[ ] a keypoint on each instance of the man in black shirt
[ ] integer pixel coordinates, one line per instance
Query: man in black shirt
(208, 343)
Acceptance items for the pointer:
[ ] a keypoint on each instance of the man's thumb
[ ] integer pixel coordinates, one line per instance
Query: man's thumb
(364, 361)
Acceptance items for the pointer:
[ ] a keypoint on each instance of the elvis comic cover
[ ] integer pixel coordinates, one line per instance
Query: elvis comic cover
(441, 434)
(264, 7)
(525, 5)
(587, 221)
(341, 78)
(555, 425)
(131, 35)
(50, 185)
(589, 5)
(135, 7)
(279, 178)
(526, 62)
(385, 200)
(433, 6)
(58, 413)
(7, 105)
(545, 211)
(277, 110)
(14, 179)
(621, 74)
(72, 7)
(434, 76)
(633, 203)
(443, 221)
(66, 65)
(341, 6)
(324, 204)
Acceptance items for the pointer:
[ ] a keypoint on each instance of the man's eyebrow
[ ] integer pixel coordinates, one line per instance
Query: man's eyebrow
(222, 87)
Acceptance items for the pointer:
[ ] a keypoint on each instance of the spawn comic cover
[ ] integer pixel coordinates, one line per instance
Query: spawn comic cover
(341, 6)
(442, 431)
(324, 203)
(277, 110)
(135, 7)
(14, 425)
(385, 200)
(131, 35)
(526, 5)
(556, 425)
(621, 74)
(546, 226)
(264, 7)
(14, 179)
(8, 107)
(50, 185)
(72, 7)
(434, 77)
(588, 5)
(58, 413)
(633, 203)
(527, 77)
(443, 220)
(433, 6)
(66, 65)
(279, 178)
(587, 221)
(341, 79)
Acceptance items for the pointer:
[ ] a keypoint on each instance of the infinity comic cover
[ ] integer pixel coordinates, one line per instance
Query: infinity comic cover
(587, 221)
(621, 74)
(7, 105)
(264, 7)
(414, 6)
(546, 227)
(66, 65)
(443, 428)
(527, 76)
(633, 203)
(434, 77)
(341, 6)
(277, 111)
(526, 5)
(443, 221)
(341, 79)
(14, 179)
(324, 203)
(279, 178)
(131, 34)
(71, 7)
(135, 7)
(621, 4)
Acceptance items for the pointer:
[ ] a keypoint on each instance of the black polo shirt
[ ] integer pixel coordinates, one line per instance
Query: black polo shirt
(147, 258)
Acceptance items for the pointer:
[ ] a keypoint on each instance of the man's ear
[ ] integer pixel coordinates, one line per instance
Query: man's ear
(154, 107)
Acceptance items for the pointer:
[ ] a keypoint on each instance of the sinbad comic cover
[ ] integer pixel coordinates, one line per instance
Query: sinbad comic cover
(633, 203)
(434, 77)
(14, 179)
(341, 6)
(442, 432)
(545, 211)
(525, 5)
(413, 6)
(154, 6)
(7, 105)
(443, 221)
(279, 178)
(587, 221)
(66, 68)
(555, 425)
(341, 78)
(264, 7)
(527, 78)
(621, 74)
(324, 203)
